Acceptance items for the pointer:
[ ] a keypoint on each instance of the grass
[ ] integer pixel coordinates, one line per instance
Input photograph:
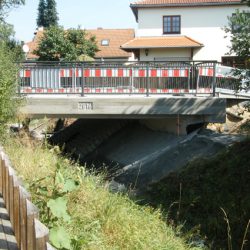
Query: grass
(214, 197)
(100, 219)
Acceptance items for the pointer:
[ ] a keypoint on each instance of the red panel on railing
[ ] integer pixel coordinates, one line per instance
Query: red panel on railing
(61, 73)
(109, 72)
(97, 73)
(86, 73)
(153, 73)
(141, 73)
(176, 73)
(27, 73)
(210, 72)
(120, 72)
(164, 73)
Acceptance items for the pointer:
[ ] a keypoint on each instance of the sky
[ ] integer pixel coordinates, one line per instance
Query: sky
(89, 14)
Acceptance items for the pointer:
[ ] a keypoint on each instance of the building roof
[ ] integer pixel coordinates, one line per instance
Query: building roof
(115, 38)
(161, 42)
(179, 3)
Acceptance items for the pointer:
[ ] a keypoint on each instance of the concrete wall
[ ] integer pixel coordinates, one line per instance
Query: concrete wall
(203, 24)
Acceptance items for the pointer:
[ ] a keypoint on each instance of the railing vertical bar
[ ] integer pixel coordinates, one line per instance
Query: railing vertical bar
(214, 79)
(147, 81)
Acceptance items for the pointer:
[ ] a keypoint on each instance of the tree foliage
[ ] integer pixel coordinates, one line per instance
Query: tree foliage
(246, 1)
(8, 73)
(41, 14)
(47, 14)
(238, 29)
(59, 45)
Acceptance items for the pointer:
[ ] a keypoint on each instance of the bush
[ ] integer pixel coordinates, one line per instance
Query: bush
(8, 83)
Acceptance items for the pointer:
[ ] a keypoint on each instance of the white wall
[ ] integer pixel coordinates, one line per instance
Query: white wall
(203, 24)
(166, 53)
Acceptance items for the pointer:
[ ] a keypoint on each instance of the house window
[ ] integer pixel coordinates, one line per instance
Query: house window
(171, 24)
(105, 42)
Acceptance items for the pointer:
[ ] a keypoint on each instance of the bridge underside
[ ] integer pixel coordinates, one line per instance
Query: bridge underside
(171, 114)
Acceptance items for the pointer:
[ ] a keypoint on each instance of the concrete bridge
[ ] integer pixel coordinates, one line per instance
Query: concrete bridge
(167, 96)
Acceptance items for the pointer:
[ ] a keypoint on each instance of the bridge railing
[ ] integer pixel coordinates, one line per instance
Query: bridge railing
(29, 232)
(166, 77)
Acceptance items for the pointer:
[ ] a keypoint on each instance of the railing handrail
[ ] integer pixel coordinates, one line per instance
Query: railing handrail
(30, 233)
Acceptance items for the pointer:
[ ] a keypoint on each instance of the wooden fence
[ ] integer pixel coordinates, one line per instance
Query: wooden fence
(30, 233)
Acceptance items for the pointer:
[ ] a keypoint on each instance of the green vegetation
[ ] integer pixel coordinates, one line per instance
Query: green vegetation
(8, 81)
(238, 29)
(94, 217)
(198, 194)
(47, 14)
(71, 45)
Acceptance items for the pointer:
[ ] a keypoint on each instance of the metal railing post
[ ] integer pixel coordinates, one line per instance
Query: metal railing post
(214, 78)
(147, 86)
(83, 81)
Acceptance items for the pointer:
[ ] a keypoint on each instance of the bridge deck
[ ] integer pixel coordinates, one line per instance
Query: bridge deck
(7, 238)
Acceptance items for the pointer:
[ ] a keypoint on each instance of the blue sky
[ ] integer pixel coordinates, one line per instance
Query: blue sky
(89, 14)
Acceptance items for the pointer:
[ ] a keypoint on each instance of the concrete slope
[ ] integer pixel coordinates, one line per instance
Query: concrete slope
(84, 136)
(142, 156)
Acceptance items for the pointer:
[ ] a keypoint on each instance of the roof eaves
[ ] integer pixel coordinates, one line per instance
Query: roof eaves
(161, 47)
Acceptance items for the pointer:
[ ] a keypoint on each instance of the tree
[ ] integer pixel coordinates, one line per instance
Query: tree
(47, 14)
(238, 29)
(51, 18)
(71, 45)
(246, 1)
(41, 14)
(8, 80)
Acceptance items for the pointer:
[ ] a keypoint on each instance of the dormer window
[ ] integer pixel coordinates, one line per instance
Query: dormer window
(171, 24)
(105, 42)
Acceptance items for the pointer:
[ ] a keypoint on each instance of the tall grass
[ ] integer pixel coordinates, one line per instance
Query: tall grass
(100, 219)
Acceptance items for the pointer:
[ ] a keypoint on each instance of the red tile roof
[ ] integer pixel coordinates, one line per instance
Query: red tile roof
(179, 3)
(116, 38)
(186, 2)
(161, 42)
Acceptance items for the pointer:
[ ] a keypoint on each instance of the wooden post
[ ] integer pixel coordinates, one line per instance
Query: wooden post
(32, 214)
(1, 174)
(11, 196)
(16, 211)
(41, 234)
(23, 216)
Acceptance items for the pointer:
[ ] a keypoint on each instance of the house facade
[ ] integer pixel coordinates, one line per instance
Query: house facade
(182, 29)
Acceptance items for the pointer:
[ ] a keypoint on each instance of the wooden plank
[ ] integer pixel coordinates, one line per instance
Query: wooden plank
(17, 221)
(1, 174)
(3, 179)
(6, 200)
(32, 214)
(23, 216)
(41, 234)
(11, 199)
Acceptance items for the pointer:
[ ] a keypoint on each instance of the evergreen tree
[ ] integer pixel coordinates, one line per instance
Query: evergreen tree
(51, 14)
(41, 14)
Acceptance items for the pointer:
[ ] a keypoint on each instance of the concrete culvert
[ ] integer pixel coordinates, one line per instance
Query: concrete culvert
(192, 127)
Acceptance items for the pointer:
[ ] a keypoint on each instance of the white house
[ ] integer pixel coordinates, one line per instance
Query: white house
(182, 29)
